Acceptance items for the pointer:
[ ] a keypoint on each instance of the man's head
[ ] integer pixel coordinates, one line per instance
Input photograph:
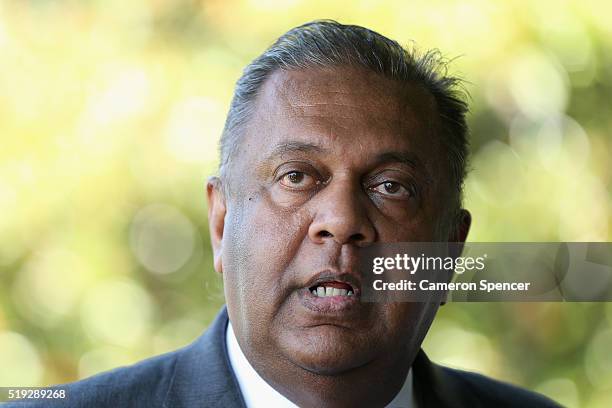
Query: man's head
(336, 138)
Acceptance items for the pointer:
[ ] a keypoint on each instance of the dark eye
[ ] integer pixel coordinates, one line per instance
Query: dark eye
(297, 180)
(295, 177)
(394, 189)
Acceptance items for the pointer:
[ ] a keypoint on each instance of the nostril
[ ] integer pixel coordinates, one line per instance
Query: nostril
(357, 238)
(325, 234)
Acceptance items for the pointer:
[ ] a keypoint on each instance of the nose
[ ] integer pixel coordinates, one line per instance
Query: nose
(341, 216)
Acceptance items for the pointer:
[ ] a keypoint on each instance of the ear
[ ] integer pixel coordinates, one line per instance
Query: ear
(216, 219)
(457, 236)
(459, 231)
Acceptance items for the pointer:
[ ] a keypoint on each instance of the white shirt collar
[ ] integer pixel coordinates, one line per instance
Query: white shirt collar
(258, 393)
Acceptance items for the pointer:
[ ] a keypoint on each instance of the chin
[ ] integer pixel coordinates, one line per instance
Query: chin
(327, 350)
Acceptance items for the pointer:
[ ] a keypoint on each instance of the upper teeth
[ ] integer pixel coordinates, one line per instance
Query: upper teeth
(322, 291)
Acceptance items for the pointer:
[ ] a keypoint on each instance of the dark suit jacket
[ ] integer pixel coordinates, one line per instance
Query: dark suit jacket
(200, 375)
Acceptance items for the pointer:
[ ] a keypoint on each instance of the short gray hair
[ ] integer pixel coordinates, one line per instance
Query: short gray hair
(327, 43)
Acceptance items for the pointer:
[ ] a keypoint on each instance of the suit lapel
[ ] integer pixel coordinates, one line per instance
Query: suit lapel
(202, 374)
(430, 387)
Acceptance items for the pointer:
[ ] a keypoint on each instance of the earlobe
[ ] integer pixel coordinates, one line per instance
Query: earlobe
(458, 235)
(463, 223)
(458, 232)
(216, 219)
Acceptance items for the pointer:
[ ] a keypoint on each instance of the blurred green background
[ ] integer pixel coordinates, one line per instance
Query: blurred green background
(110, 112)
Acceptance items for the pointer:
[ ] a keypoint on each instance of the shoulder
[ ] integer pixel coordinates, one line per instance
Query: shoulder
(479, 390)
(195, 375)
(441, 386)
(145, 384)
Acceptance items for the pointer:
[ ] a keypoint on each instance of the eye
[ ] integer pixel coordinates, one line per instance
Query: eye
(297, 180)
(394, 189)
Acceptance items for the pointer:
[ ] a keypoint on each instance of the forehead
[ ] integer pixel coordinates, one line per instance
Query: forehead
(333, 104)
(340, 88)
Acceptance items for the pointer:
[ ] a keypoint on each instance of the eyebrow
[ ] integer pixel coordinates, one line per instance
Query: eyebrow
(293, 147)
(406, 158)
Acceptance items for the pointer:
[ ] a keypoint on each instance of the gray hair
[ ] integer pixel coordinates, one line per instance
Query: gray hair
(327, 43)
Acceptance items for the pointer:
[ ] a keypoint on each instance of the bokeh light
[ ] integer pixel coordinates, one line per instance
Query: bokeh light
(598, 360)
(162, 238)
(117, 312)
(21, 363)
(564, 391)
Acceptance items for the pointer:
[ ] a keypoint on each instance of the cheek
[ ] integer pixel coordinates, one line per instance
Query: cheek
(274, 236)
(260, 241)
(421, 229)
(408, 320)
(415, 220)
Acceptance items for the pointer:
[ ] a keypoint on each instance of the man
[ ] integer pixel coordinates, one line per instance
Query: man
(336, 138)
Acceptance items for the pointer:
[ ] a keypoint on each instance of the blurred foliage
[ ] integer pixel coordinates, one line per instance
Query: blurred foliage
(110, 112)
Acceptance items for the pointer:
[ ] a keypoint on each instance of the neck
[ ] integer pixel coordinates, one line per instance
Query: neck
(373, 385)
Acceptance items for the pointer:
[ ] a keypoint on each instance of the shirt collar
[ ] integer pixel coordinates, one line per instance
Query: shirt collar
(258, 393)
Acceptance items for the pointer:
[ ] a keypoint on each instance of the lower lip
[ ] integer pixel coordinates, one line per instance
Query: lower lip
(328, 304)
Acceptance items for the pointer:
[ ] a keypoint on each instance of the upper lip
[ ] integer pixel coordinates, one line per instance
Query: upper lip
(331, 275)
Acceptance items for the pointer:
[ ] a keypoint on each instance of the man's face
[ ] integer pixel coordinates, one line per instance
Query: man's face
(330, 161)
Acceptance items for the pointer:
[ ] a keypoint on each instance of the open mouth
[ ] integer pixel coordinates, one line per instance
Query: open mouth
(332, 288)
(333, 295)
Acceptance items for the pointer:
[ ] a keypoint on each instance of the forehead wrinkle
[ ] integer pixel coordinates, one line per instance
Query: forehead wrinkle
(341, 114)
(340, 104)
(301, 87)
(405, 109)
